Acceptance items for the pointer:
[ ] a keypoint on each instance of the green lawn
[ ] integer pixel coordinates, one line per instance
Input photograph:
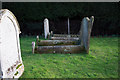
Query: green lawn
(102, 62)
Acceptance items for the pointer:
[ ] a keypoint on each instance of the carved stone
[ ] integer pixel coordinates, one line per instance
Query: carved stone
(64, 38)
(46, 27)
(85, 32)
(56, 42)
(37, 40)
(11, 65)
(68, 43)
(65, 35)
(60, 49)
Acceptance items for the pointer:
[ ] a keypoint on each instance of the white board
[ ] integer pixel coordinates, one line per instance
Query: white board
(10, 54)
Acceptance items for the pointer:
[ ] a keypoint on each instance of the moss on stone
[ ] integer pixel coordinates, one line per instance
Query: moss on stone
(18, 66)
(16, 73)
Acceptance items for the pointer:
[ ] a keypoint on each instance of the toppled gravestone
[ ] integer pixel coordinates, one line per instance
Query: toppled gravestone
(11, 65)
(68, 44)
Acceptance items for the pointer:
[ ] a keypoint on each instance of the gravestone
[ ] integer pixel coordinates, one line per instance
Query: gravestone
(65, 44)
(85, 31)
(0, 60)
(46, 28)
(11, 65)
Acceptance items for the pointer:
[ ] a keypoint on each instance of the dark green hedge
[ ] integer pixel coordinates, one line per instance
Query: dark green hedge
(31, 16)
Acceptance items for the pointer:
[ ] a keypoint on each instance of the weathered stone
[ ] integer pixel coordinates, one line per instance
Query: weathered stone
(89, 31)
(85, 32)
(66, 43)
(64, 38)
(46, 27)
(65, 35)
(48, 36)
(56, 42)
(92, 21)
(37, 40)
(0, 56)
(10, 54)
(33, 47)
(0, 71)
(60, 49)
(51, 33)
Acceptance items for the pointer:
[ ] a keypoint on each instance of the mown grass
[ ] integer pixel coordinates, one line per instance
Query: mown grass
(102, 62)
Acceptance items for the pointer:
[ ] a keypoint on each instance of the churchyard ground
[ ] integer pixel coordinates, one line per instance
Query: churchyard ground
(101, 62)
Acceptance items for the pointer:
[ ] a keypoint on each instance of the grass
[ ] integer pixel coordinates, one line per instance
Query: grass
(102, 62)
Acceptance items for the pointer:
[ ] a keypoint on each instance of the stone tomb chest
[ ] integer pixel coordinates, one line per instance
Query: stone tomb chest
(11, 65)
(65, 43)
